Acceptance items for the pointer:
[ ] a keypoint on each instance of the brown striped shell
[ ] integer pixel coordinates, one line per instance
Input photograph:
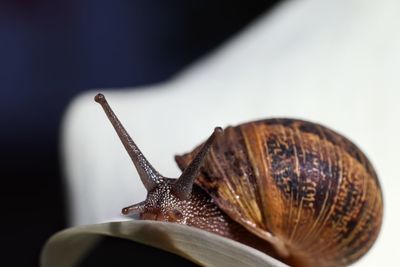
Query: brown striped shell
(300, 182)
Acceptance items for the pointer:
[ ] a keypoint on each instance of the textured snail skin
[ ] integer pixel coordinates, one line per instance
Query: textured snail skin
(199, 211)
(307, 186)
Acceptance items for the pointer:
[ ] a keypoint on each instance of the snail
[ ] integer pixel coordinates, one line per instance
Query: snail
(293, 189)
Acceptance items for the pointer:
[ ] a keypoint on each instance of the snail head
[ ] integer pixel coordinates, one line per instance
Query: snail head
(167, 199)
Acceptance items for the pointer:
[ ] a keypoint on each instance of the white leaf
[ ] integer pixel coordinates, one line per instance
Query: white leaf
(66, 248)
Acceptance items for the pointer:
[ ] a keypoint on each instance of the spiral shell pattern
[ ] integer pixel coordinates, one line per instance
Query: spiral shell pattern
(300, 182)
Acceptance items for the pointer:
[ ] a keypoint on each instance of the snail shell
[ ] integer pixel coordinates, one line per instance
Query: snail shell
(307, 185)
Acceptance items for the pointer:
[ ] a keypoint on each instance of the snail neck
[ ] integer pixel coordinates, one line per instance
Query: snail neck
(203, 213)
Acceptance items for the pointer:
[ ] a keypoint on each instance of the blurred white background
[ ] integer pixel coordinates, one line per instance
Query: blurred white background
(331, 62)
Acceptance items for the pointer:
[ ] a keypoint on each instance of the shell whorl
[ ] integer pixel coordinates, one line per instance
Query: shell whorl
(306, 185)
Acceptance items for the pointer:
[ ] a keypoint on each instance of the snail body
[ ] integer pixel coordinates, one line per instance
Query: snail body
(293, 189)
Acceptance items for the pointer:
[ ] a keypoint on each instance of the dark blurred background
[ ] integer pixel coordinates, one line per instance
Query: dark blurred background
(52, 50)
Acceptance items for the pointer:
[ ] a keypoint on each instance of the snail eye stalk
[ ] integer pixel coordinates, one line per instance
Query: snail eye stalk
(182, 188)
(149, 176)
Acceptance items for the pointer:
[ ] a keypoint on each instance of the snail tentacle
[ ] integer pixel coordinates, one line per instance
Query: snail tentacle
(149, 176)
(134, 209)
(183, 186)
